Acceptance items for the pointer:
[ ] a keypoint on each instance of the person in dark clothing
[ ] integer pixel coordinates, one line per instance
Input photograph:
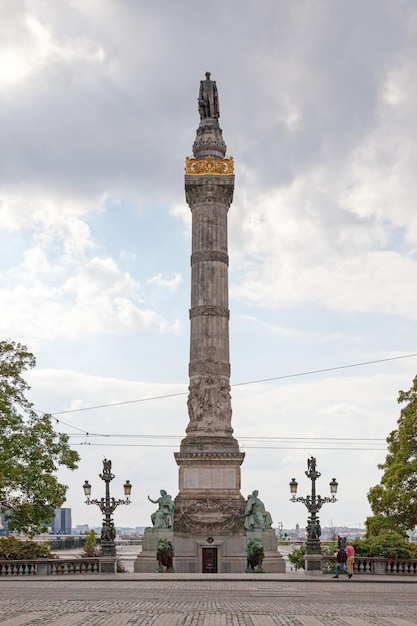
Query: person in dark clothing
(341, 558)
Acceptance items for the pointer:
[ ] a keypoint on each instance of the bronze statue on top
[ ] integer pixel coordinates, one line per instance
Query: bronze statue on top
(208, 99)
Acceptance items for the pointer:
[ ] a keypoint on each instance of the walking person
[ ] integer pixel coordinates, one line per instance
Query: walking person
(341, 558)
(350, 551)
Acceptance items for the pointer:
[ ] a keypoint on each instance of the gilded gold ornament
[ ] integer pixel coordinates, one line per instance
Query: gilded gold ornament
(209, 165)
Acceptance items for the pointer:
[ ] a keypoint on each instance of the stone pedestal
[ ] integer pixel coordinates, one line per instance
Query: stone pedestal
(146, 561)
(210, 554)
(380, 565)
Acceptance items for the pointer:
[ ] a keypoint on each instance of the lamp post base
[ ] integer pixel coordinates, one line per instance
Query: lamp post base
(108, 565)
(313, 564)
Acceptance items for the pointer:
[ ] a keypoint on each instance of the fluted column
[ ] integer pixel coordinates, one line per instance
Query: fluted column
(209, 185)
(209, 499)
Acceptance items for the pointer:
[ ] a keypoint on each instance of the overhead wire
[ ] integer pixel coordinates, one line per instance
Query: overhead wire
(86, 433)
(242, 448)
(250, 382)
(287, 443)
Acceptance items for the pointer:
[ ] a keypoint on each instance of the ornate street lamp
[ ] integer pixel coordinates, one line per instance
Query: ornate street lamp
(313, 503)
(107, 506)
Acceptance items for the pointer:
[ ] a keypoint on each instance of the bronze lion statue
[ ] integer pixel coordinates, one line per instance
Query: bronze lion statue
(165, 554)
(255, 555)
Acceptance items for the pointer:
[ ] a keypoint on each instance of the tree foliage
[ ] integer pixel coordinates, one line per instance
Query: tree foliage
(395, 498)
(376, 524)
(31, 451)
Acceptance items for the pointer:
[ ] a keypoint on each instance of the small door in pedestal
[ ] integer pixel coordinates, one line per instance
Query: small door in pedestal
(209, 560)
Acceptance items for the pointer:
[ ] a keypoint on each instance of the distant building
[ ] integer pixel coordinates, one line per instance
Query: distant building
(82, 529)
(61, 523)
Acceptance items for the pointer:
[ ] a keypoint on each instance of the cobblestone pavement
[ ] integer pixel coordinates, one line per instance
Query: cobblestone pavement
(180, 600)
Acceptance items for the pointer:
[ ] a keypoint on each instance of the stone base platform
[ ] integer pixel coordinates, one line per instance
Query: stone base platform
(195, 554)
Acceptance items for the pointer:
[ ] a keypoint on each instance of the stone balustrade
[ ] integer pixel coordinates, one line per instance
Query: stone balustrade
(47, 567)
(375, 565)
(363, 565)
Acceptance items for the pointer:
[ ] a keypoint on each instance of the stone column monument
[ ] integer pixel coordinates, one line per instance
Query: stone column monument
(212, 524)
(209, 505)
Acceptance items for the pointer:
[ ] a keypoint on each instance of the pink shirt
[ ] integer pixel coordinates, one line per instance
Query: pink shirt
(350, 550)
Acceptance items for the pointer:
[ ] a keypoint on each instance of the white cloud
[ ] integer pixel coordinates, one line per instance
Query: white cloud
(58, 288)
(35, 263)
(29, 44)
(169, 283)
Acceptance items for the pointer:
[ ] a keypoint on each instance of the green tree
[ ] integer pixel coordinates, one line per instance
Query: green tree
(375, 524)
(30, 452)
(90, 546)
(395, 498)
(297, 557)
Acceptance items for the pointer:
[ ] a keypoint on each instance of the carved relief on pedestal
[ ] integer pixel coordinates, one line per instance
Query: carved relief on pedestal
(209, 516)
(209, 400)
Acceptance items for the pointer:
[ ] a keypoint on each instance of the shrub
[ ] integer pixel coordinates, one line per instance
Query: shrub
(361, 547)
(12, 548)
(329, 548)
(389, 544)
(297, 556)
(120, 568)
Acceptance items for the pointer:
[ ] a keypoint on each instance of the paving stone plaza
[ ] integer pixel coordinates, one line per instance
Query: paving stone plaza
(208, 600)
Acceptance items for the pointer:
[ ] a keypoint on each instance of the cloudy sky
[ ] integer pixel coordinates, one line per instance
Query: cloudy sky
(98, 110)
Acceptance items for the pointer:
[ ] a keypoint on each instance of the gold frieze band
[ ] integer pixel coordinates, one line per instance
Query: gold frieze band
(209, 165)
